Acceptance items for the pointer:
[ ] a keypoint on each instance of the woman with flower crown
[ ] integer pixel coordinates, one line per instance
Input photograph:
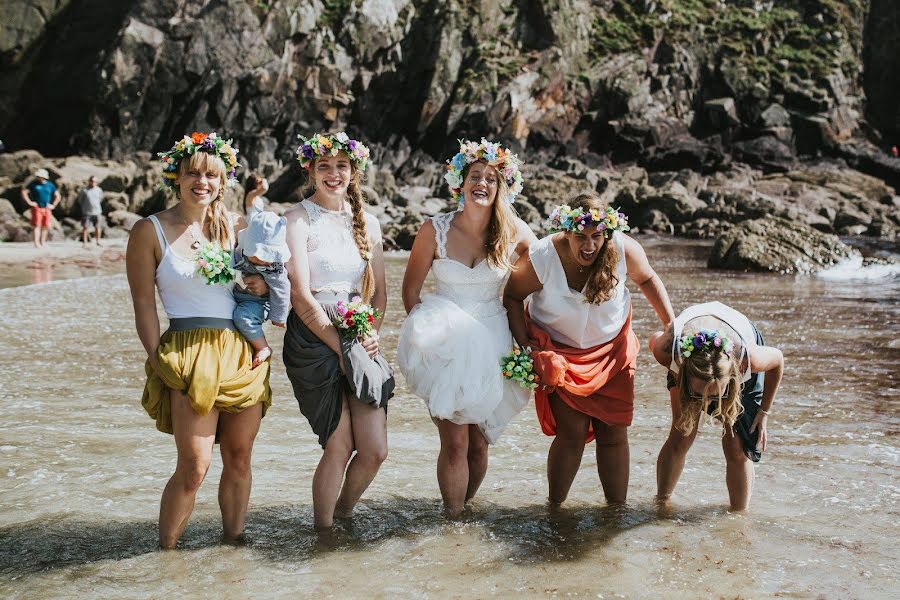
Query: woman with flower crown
(451, 343)
(200, 384)
(719, 364)
(342, 384)
(578, 323)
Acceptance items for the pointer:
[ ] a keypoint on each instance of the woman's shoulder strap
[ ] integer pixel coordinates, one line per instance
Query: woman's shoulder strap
(441, 224)
(163, 242)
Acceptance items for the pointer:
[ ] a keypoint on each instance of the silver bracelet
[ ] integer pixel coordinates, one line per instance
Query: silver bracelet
(765, 412)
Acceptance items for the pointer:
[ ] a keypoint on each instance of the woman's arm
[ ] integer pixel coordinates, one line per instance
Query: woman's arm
(379, 300)
(140, 266)
(643, 275)
(770, 361)
(523, 281)
(261, 188)
(420, 259)
(302, 300)
(661, 346)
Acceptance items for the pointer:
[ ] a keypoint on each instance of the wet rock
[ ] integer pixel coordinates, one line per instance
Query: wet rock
(123, 219)
(776, 245)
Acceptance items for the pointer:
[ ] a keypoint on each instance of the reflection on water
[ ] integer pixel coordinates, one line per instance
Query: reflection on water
(82, 470)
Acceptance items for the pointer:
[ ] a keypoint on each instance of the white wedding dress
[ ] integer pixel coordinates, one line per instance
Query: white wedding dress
(451, 343)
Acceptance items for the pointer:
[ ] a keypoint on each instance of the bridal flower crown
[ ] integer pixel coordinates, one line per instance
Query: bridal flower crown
(191, 144)
(329, 144)
(704, 341)
(608, 220)
(493, 154)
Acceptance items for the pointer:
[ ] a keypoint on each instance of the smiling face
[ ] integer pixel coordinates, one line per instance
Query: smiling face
(200, 178)
(585, 246)
(332, 174)
(481, 184)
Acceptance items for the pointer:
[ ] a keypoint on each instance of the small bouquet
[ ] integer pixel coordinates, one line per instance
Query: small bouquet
(214, 263)
(519, 367)
(356, 319)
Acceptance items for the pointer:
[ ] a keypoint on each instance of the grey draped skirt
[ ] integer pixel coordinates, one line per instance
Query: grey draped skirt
(319, 385)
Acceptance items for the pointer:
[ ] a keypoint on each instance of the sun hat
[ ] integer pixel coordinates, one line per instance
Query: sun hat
(265, 238)
(42, 173)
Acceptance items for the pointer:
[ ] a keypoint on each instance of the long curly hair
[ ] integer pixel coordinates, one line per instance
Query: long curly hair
(357, 200)
(708, 366)
(602, 277)
(221, 227)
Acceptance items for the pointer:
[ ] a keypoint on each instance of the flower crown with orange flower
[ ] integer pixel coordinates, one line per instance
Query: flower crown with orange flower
(493, 154)
(198, 142)
(330, 144)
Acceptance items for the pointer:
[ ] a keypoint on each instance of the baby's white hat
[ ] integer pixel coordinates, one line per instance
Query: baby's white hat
(264, 238)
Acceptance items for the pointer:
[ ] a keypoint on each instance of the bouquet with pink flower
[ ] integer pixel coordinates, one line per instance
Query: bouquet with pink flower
(356, 319)
(214, 263)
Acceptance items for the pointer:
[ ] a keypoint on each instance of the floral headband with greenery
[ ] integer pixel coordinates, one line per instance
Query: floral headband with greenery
(198, 142)
(704, 340)
(330, 144)
(493, 154)
(608, 220)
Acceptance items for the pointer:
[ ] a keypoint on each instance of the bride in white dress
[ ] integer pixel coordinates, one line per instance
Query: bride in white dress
(451, 343)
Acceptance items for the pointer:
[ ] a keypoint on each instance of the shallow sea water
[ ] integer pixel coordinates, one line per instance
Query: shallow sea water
(82, 469)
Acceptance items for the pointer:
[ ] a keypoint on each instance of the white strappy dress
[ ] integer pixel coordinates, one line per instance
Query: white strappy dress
(451, 343)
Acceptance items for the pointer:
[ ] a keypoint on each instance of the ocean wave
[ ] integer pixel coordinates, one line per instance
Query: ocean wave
(853, 269)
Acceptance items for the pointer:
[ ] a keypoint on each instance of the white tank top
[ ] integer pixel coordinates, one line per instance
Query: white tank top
(184, 293)
(335, 266)
(734, 319)
(562, 311)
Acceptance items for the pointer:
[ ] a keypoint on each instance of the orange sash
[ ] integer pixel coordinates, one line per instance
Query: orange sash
(598, 381)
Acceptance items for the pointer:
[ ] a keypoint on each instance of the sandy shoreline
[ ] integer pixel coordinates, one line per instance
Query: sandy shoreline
(62, 252)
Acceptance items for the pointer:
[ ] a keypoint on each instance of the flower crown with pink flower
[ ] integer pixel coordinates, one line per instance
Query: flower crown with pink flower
(191, 144)
(704, 340)
(608, 220)
(330, 144)
(493, 154)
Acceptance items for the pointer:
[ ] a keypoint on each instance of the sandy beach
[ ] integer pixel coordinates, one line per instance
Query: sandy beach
(62, 252)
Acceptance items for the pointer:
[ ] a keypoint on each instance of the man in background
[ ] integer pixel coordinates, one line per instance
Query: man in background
(42, 196)
(89, 200)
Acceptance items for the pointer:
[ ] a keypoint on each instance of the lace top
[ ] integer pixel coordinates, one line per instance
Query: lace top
(562, 311)
(335, 266)
(474, 289)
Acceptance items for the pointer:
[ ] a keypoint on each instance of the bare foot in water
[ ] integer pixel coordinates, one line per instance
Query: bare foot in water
(261, 356)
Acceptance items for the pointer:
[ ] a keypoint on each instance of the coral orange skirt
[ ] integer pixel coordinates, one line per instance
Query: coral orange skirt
(597, 382)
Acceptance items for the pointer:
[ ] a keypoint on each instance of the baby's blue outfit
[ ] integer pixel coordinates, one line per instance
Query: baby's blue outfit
(264, 238)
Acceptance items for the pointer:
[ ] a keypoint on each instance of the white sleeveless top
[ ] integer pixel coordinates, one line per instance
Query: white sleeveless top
(563, 313)
(476, 290)
(184, 293)
(335, 266)
(734, 319)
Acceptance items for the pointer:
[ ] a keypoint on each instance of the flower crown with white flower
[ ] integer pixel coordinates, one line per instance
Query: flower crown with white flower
(493, 154)
(704, 340)
(608, 220)
(329, 144)
(191, 144)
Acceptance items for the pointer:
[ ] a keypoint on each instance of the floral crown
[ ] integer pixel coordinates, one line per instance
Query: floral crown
(329, 144)
(704, 341)
(500, 158)
(608, 220)
(198, 142)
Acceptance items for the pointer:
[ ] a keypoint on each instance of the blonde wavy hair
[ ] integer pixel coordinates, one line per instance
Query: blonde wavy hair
(709, 366)
(221, 227)
(357, 200)
(502, 226)
(602, 277)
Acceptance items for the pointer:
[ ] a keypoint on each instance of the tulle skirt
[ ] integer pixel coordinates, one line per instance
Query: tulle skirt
(451, 360)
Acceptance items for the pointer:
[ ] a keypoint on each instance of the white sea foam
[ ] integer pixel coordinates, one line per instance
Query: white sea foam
(853, 269)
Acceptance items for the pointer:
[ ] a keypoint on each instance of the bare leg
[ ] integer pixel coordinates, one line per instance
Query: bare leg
(369, 427)
(670, 462)
(261, 351)
(477, 459)
(237, 433)
(613, 460)
(99, 233)
(567, 448)
(330, 472)
(194, 438)
(37, 237)
(453, 465)
(45, 231)
(738, 472)
(84, 237)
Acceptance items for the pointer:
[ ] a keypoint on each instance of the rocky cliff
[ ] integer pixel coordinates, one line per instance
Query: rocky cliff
(709, 86)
